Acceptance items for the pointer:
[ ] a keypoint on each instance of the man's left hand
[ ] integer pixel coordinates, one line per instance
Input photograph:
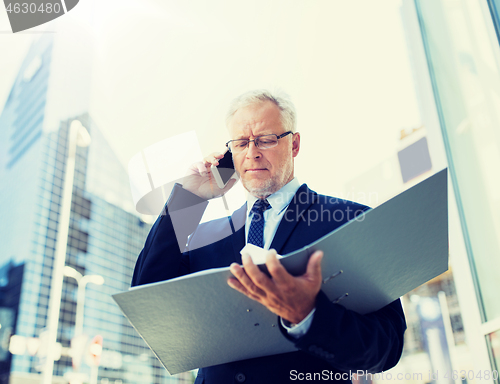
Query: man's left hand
(291, 298)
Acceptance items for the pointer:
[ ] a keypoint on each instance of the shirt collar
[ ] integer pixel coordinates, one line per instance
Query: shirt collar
(278, 200)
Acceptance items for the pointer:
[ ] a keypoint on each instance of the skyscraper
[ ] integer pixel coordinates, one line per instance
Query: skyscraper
(50, 91)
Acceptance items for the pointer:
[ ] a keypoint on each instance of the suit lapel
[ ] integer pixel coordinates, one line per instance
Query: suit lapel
(238, 219)
(294, 213)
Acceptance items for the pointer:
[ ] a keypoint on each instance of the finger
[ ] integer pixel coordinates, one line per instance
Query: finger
(247, 282)
(258, 278)
(211, 162)
(235, 284)
(314, 265)
(202, 169)
(276, 269)
(213, 158)
(194, 169)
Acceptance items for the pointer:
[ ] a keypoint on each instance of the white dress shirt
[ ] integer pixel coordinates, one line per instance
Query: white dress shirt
(279, 202)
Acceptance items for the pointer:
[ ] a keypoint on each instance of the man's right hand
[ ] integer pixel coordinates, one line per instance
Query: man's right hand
(200, 180)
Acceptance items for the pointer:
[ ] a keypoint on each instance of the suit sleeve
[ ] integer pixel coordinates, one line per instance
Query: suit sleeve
(162, 258)
(350, 341)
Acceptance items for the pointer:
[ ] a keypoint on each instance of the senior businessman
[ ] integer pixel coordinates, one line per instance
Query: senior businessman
(331, 341)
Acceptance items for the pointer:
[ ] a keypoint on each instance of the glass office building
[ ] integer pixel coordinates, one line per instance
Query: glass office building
(456, 57)
(105, 233)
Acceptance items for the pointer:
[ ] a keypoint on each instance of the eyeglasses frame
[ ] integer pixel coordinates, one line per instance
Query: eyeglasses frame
(257, 138)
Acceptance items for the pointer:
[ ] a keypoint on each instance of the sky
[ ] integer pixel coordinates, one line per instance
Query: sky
(162, 68)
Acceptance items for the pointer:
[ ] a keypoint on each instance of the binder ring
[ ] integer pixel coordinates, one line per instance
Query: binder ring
(332, 276)
(340, 298)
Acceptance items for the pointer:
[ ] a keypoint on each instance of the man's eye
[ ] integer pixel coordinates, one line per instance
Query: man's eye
(240, 144)
(266, 141)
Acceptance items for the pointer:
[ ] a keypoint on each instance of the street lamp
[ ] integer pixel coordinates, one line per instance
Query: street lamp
(82, 281)
(78, 136)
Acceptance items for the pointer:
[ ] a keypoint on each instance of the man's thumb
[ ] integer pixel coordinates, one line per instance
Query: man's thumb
(314, 264)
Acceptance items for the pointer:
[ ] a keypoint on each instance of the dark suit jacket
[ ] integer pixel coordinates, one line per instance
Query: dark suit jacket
(338, 341)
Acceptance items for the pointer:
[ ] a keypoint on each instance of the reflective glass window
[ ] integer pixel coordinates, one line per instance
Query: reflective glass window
(463, 63)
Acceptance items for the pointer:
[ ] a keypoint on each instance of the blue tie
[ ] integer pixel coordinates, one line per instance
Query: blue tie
(256, 231)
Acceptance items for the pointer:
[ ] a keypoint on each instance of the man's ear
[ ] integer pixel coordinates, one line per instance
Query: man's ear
(295, 144)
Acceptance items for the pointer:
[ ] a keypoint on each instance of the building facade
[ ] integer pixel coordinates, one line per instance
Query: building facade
(105, 232)
(455, 53)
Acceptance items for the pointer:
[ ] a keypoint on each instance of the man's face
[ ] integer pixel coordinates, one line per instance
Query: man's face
(263, 171)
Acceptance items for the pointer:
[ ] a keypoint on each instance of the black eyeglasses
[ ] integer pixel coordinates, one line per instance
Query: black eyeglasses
(261, 142)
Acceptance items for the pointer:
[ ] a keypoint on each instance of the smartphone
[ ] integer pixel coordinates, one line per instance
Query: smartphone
(224, 171)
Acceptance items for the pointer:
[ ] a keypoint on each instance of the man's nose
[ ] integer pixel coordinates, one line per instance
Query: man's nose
(253, 152)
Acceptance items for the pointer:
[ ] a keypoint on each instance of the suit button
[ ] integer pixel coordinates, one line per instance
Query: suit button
(240, 377)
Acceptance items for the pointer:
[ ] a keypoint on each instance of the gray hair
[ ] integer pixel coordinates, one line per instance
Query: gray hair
(279, 98)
